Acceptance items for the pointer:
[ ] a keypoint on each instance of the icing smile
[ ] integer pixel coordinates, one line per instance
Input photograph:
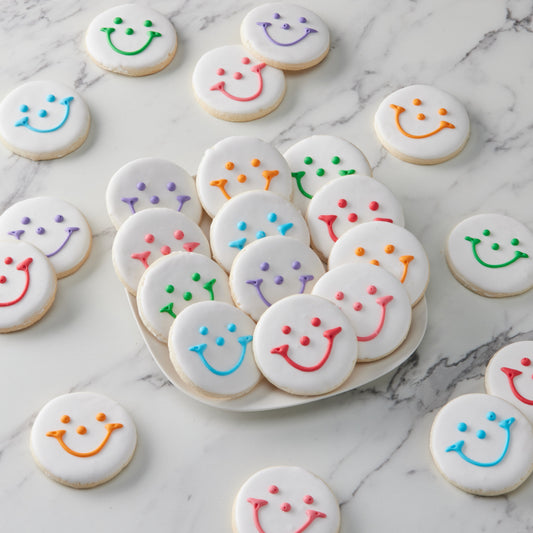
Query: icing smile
(517, 255)
(512, 373)
(25, 121)
(220, 86)
(24, 267)
(266, 25)
(442, 125)
(151, 35)
(383, 301)
(257, 284)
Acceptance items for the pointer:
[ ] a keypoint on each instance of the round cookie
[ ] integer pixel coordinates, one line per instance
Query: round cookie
(482, 444)
(239, 164)
(375, 302)
(54, 226)
(149, 235)
(285, 499)
(491, 254)
(422, 124)
(82, 439)
(285, 36)
(345, 202)
(43, 120)
(131, 39)
(318, 159)
(509, 375)
(270, 269)
(231, 85)
(251, 216)
(305, 345)
(151, 182)
(27, 285)
(210, 346)
(174, 282)
(390, 246)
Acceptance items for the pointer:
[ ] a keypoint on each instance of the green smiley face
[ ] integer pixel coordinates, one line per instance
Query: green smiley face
(495, 246)
(129, 31)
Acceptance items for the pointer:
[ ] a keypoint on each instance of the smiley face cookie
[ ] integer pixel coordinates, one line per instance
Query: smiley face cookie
(288, 499)
(239, 164)
(345, 202)
(422, 124)
(210, 345)
(482, 444)
(27, 285)
(286, 36)
(54, 226)
(491, 254)
(270, 269)
(43, 120)
(231, 85)
(131, 39)
(151, 182)
(251, 216)
(82, 439)
(174, 282)
(390, 246)
(316, 160)
(149, 235)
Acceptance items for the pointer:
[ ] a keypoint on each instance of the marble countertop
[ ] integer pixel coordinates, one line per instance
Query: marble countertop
(371, 444)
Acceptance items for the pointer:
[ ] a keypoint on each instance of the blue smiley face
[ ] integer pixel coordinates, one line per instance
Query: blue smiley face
(154, 199)
(42, 113)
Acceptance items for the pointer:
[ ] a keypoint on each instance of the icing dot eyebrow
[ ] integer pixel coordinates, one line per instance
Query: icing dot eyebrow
(203, 330)
(303, 20)
(486, 232)
(276, 16)
(178, 235)
(171, 186)
(273, 489)
(241, 225)
(443, 111)
(25, 220)
(148, 23)
(117, 20)
(59, 218)
(462, 427)
(255, 162)
(417, 101)
(315, 321)
(264, 266)
(169, 289)
(342, 203)
(8, 260)
(50, 98)
(100, 417)
(285, 330)
(296, 265)
(272, 217)
(526, 361)
(515, 242)
(339, 295)
(231, 327)
(373, 206)
(389, 248)
(308, 160)
(371, 289)
(195, 276)
(230, 165)
(336, 160)
(149, 238)
(245, 60)
(308, 499)
(65, 419)
(491, 415)
(141, 186)
(360, 251)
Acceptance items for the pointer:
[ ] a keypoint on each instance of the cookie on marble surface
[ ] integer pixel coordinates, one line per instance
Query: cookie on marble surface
(482, 444)
(231, 85)
(422, 124)
(285, 36)
(130, 39)
(43, 120)
(285, 498)
(491, 254)
(82, 439)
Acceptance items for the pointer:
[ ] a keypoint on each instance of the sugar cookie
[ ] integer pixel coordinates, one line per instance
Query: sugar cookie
(43, 120)
(491, 254)
(270, 269)
(54, 226)
(239, 164)
(131, 39)
(251, 216)
(27, 285)
(149, 235)
(346, 202)
(151, 182)
(288, 499)
(82, 439)
(422, 124)
(482, 444)
(210, 345)
(231, 85)
(285, 36)
(318, 159)
(390, 246)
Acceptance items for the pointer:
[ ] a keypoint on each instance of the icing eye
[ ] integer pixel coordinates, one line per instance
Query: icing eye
(25, 220)
(481, 434)
(285, 507)
(195, 276)
(374, 262)
(203, 330)
(81, 430)
(515, 242)
(357, 306)
(371, 289)
(255, 162)
(335, 159)
(40, 230)
(100, 417)
(417, 101)
(315, 321)
(303, 20)
(285, 26)
(373, 206)
(241, 225)
(276, 16)
(42, 113)
(65, 419)
(8, 260)
(178, 235)
(241, 178)
(285, 330)
(187, 296)
(486, 232)
(51, 98)
(148, 23)
(117, 20)
(245, 60)
(165, 250)
(304, 341)
(443, 111)
(141, 186)
(237, 75)
(308, 499)
(462, 427)
(495, 246)
(296, 265)
(231, 327)
(154, 200)
(229, 165)
(278, 280)
(149, 238)
(352, 217)
(342, 203)
(220, 341)
(3, 279)
(264, 266)
(260, 234)
(339, 296)
(272, 217)
(171, 186)
(308, 160)
(59, 218)
(170, 289)
(491, 415)
(526, 361)
(320, 171)
(389, 248)
(360, 251)
(420, 116)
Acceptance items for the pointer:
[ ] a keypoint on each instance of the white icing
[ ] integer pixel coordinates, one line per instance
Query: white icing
(223, 355)
(364, 197)
(283, 24)
(41, 289)
(472, 410)
(154, 57)
(359, 291)
(443, 145)
(305, 344)
(502, 281)
(374, 238)
(67, 112)
(322, 149)
(165, 185)
(293, 484)
(176, 270)
(238, 153)
(278, 266)
(265, 88)
(158, 231)
(517, 359)
(66, 247)
(82, 408)
(250, 216)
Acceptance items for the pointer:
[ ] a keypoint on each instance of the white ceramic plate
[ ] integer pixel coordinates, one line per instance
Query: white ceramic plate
(265, 396)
